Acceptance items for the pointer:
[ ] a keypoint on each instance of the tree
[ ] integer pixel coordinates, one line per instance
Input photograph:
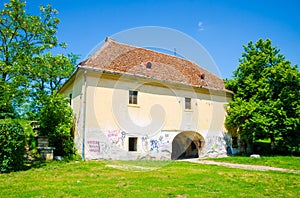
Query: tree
(56, 122)
(30, 74)
(48, 74)
(266, 101)
(25, 67)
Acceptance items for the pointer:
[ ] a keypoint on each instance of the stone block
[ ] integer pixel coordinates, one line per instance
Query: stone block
(254, 156)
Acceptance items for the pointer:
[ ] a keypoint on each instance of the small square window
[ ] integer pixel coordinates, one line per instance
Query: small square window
(188, 103)
(133, 97)
(132, 144)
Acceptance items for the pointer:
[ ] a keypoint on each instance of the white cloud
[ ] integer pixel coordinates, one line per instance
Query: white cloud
(200, 26)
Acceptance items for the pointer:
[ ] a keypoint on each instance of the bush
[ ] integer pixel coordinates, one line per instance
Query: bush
(12, 145)
(263, 148)
(56, 122)
(30, 140)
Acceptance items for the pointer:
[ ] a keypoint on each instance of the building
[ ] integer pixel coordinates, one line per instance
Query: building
(135, 103)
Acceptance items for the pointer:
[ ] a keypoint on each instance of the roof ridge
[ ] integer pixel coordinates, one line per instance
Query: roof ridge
(111, 40)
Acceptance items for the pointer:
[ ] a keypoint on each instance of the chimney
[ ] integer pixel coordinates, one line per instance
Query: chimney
(107, 39)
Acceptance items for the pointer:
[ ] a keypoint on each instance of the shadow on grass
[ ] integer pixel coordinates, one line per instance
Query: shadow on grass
(34, 164)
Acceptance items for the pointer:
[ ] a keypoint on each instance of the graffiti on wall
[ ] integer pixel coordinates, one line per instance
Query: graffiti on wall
(159, 144)
(116, 137)
(113, 143)
(215, 144)
(105, 143)
(95, 146)
(145, 143)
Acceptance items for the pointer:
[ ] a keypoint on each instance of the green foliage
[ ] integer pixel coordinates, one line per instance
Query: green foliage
(266, 101)
(48, 75)
(56, 122)
(6, 110)
(23, 36)
(29, 134)
(12, 145)
(27, 71)
(30, 75)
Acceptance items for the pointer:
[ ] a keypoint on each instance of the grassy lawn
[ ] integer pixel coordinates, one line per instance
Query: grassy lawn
(278, 161)
(168, 179)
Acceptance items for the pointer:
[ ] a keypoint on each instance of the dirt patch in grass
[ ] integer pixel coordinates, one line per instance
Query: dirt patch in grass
(242, 166)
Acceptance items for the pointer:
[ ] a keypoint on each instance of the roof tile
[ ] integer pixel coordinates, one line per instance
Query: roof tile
(125, 59)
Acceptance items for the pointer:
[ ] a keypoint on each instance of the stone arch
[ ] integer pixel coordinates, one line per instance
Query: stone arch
(187, 144)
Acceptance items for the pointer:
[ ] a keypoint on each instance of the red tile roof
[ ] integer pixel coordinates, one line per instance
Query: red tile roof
(124, 59)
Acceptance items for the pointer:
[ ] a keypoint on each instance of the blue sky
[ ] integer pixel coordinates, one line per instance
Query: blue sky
(221, 27)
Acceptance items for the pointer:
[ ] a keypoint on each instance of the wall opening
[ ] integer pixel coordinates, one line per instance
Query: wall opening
(149, 65)
(132, 144)
(187, 144)
(70, 99)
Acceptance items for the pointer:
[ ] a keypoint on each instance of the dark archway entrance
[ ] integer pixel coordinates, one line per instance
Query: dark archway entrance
(187, 144)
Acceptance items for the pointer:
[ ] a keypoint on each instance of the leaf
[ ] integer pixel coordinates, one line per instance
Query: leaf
(266, 102)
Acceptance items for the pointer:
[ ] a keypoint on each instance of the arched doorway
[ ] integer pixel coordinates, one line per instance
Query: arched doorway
(187, 144)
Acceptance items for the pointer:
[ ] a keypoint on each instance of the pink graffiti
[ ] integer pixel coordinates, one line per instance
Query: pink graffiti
(114, 136)
(93, 146)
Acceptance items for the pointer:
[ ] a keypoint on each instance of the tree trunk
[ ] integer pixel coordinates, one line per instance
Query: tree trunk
(272, 142)
(249, 148)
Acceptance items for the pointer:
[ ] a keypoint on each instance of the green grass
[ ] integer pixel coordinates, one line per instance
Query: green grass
(167, 179)
(288, 162)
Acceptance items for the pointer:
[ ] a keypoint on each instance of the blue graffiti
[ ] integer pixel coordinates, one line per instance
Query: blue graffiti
(154, 145)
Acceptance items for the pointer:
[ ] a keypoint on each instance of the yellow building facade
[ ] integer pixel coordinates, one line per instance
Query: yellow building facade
(133, 103)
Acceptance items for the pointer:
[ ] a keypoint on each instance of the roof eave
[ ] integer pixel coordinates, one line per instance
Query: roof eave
(144, 77)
